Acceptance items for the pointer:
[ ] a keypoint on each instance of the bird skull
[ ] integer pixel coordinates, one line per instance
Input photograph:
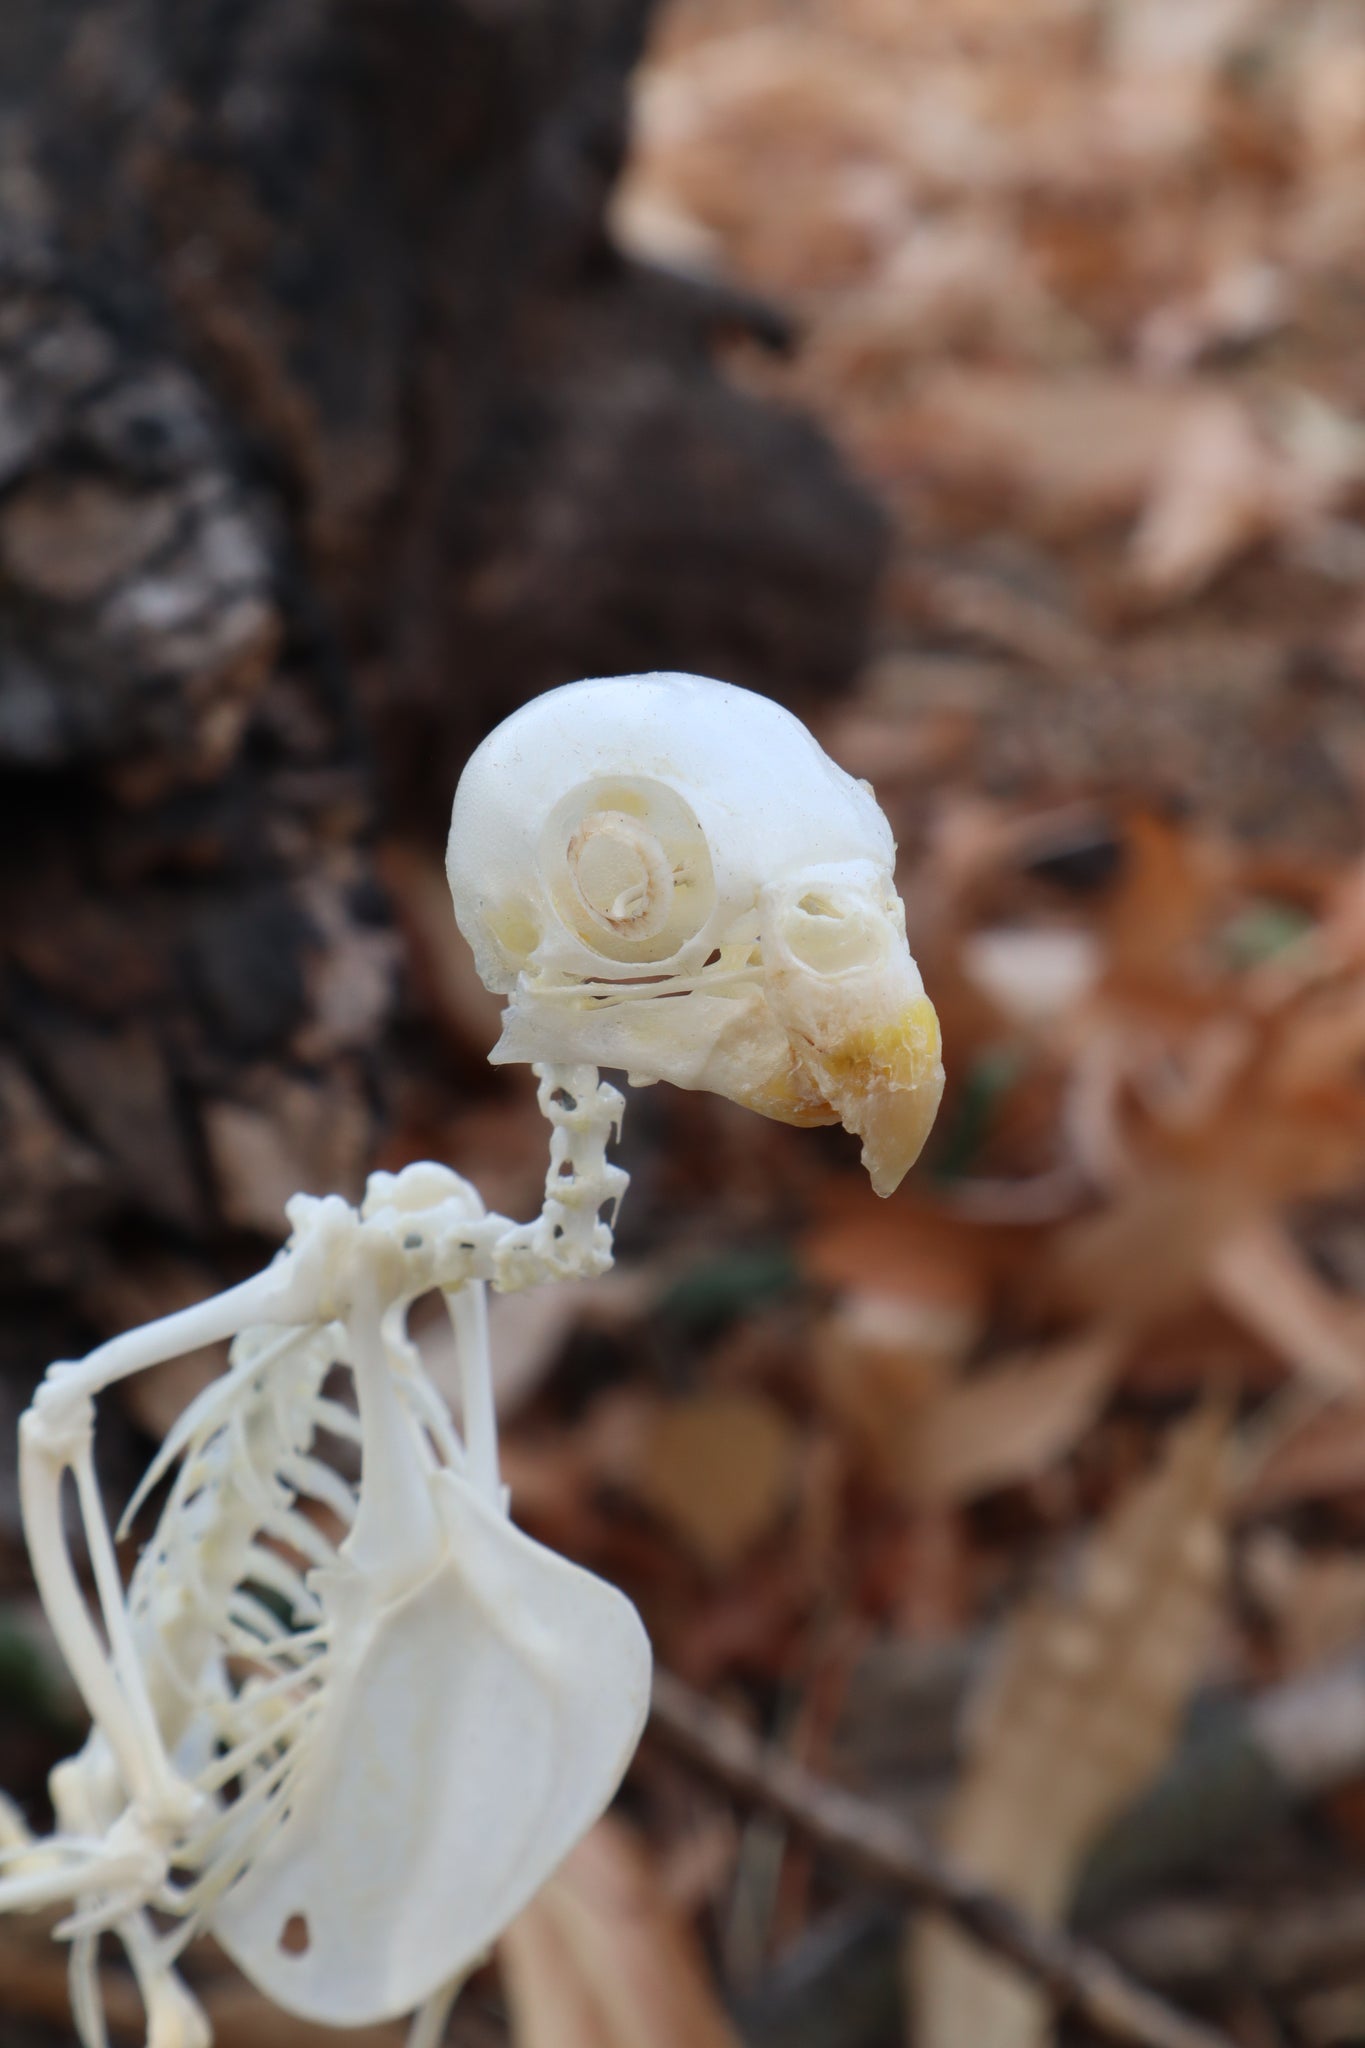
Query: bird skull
(667, 875)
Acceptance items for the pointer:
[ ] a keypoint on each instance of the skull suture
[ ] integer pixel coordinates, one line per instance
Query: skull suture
(668, 875)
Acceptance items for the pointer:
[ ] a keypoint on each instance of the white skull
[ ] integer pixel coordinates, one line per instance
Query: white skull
(668, 875)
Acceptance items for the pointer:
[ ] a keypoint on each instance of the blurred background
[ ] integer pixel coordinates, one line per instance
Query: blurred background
(986, 379)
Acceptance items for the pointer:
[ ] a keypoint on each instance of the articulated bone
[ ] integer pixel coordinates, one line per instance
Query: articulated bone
(345, 1716)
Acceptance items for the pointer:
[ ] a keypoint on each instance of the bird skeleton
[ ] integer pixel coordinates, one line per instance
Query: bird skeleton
(345, 1715)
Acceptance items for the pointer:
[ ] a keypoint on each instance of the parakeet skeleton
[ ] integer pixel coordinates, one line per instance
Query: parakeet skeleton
(345, 1716)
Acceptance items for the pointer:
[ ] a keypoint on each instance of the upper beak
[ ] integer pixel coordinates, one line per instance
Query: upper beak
(840, 980)
(884, 1082)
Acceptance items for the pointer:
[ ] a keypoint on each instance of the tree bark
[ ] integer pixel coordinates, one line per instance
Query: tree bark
(331, 426)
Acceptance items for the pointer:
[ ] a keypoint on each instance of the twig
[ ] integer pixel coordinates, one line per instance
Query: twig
(890, 1852)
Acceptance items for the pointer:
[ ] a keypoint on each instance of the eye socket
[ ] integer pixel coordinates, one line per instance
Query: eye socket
(621, 874)
(629, 869)
(828, 940)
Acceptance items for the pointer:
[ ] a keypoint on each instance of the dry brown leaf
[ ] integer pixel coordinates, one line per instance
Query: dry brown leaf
(880, 1361)
(887, 1370)
(1010, 1424)
(869, 1246)
(1072, 453)
(1209, 1145)
(1314, 1601)
(1323, 1038)
(601, 1959)
(290, 1136)
(116, 1087)
(352, 968)
(1080, 1715)
(1175, 883)
(1146, 1256)
(1219, 489)
(896, 749)
(719, 1469)
(804, 104)
(1261, 1277)
(1325, 1455)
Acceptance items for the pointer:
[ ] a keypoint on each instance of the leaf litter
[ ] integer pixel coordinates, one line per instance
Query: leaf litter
(1079, 290)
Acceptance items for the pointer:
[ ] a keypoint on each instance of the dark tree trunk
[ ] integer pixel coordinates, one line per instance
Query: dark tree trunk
(331, 426)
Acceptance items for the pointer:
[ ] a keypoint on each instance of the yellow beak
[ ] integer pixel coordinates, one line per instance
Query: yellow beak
(884, 1082)
(863, 1045)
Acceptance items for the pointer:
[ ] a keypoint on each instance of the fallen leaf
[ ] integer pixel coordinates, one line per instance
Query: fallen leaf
(1323, 1456)
(880, 1361)
(1219, 488)
(1069, 454)
(1314, 1601)
(601, 1959)
(1080, 1715)
(1011, 1423)
(1145, 1256)
(719, 1469)
(47, 1170)
(351, 970)
(1175, 883)
(1260, 1276)
(865, 1245)
(289, 1136)
(117, 1087)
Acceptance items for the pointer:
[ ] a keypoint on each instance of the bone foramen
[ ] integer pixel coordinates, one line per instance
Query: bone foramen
(346, 1716)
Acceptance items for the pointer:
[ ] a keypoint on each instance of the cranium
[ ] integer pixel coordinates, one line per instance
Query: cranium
(668, 875)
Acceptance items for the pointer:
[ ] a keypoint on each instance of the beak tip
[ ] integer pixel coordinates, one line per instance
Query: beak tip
(893, 1141)
(884, 1179)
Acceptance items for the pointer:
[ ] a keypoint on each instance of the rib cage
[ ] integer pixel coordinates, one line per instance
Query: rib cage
(235, 1644)
(273, 1624)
